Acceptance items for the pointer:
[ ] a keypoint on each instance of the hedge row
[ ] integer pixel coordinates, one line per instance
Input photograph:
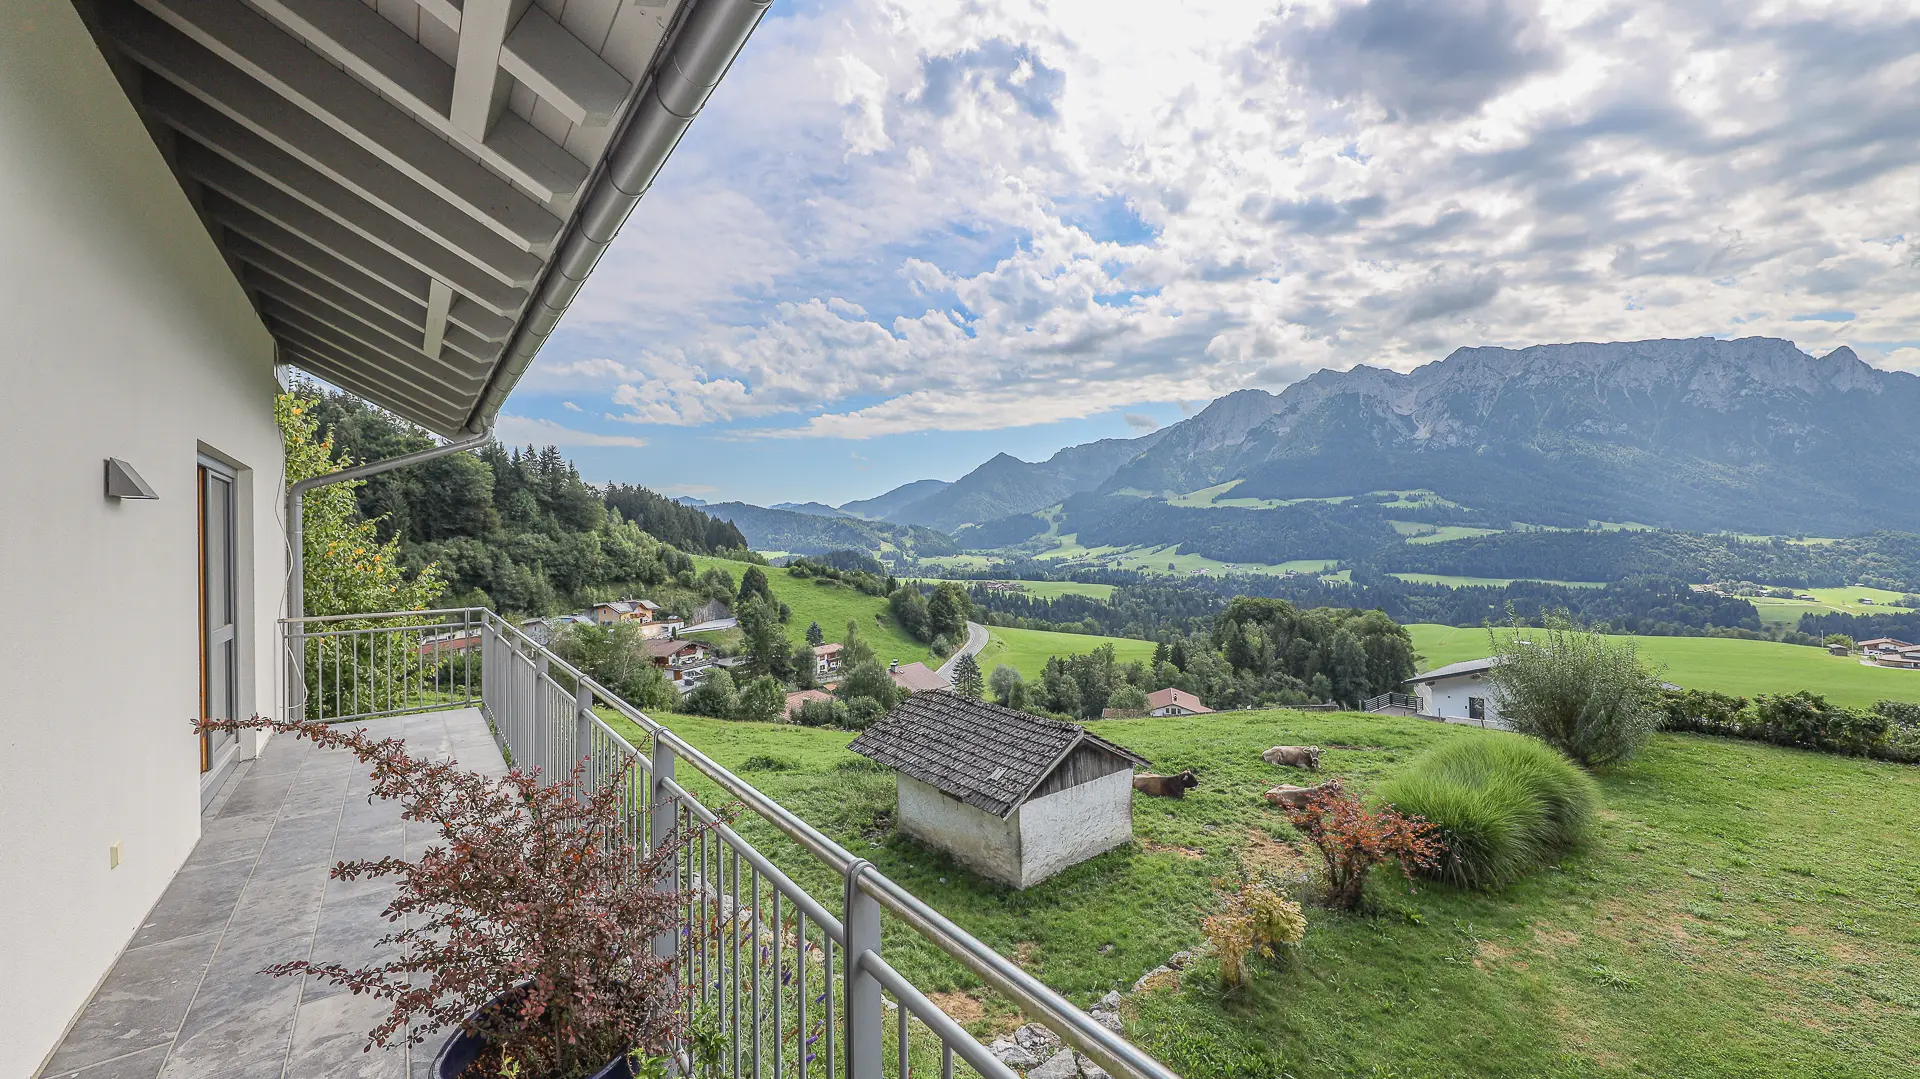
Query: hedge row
(1890, 730)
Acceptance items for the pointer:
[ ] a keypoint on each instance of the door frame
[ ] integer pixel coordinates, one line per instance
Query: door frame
(217, 759)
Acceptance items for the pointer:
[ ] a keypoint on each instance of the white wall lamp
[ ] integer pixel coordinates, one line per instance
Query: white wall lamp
(124, 482)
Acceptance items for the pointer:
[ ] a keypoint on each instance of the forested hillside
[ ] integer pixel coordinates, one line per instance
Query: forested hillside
(515, 529)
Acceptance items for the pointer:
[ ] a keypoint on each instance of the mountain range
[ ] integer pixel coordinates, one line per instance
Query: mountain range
(1748, 435)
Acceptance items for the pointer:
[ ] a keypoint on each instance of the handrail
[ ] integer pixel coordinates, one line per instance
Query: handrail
(1109, 1050)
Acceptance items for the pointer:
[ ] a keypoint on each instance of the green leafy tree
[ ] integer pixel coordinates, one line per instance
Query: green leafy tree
(765, 638)
(1128, 698)
(754, 583)
(870, 680)
(1585, 694)
(855, 650)
(348, 571)
(815, 635)
(804, 674)
(1004, 681)
(763, 701)
(714, 696)
(967, 680)
(949, 611)
(909, 609)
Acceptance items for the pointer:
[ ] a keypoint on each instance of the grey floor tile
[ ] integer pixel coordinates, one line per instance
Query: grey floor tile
(243, 1032)
(140, 1005)
(301, 841)
(329, 1035)
(200, 899)
(142, 1065)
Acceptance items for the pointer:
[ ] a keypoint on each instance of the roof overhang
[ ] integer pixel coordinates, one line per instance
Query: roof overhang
(413, 195)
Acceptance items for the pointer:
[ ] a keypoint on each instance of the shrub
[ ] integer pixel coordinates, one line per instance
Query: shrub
(1259, 920)
(1707, 713)
(760, 762)
(523, 925)
(822, 714)
(1351, 840)
(1807, 719)
(1501, 806)
(1583, 693)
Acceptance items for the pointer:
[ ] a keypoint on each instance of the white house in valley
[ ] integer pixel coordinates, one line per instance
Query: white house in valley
(196, 198)
(1174, 702)
(1458, 692)
(1012, 796)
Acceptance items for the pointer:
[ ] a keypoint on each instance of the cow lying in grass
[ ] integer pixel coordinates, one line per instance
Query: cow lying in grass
(1288, 796)
(1307, 757)
(1165, 786)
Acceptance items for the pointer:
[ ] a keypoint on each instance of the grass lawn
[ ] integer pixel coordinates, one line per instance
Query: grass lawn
(1747, 912)
(832, 605)
(1729, 666)
(1452, 581)
(1027, 650)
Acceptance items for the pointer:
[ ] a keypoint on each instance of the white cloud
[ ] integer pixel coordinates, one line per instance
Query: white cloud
(571, 407)
(525, 430)
(902, 216)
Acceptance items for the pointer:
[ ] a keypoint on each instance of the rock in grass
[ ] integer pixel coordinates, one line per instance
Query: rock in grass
(1013, 1054)
(1090, 1070)
(1110, 1002)
(1062, 1065)
(1036, 1037)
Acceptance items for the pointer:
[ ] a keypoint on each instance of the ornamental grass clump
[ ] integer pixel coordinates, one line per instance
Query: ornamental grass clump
(1352, 839)
(1502, 807)
(529, 925)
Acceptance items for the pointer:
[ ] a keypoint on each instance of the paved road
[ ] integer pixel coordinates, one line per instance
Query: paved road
(976, 640)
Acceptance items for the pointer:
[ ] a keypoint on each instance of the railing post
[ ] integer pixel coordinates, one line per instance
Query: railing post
(583, 737)
(860, 915)
(542, 730)
(663, 821)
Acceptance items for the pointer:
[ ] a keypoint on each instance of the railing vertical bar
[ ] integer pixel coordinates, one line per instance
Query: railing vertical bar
(779, 988)
(946, 1061)
(800, 994)
(900, 1012)
(733, 935)
(826, 975)
(757, 960)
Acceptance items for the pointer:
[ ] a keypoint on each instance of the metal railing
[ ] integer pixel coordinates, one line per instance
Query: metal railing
(1391, 700)
(367, 666)
(796, 981)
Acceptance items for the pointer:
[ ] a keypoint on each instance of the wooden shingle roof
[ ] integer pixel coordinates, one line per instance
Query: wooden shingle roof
(980, 754)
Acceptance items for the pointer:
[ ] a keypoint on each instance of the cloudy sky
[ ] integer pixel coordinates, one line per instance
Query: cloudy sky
(904, 236)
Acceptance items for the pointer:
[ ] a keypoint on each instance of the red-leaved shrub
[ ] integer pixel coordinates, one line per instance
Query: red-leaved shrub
(530, 899)
(1352, 839)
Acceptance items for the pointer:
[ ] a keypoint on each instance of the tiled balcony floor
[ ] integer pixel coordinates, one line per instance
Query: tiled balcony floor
(186, 999)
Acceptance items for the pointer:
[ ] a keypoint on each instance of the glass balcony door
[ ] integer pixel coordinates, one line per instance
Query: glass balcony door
(219, 587)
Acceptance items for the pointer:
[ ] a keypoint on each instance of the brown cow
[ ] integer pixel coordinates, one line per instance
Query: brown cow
(1288, 796)
(1165, 786)
(1307, 757)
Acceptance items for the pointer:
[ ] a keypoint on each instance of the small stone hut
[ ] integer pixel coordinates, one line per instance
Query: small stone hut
(1012, 796)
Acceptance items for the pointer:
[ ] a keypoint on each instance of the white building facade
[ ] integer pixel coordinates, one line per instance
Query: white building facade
(1458, 693)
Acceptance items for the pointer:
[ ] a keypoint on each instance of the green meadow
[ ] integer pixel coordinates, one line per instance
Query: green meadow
(1721, 664)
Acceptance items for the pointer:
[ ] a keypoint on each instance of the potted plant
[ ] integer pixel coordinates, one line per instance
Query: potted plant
(529, 927)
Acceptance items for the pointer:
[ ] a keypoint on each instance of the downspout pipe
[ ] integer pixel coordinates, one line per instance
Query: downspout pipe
(297, 542)
(704, 46)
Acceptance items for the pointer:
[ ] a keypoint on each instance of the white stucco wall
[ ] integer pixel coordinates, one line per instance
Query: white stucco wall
(1040, 839)
(125, 336)
(1447, 697)
(1070, 826)
(978, 840)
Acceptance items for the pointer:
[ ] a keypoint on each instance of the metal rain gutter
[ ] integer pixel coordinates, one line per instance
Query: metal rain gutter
(703, 49)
